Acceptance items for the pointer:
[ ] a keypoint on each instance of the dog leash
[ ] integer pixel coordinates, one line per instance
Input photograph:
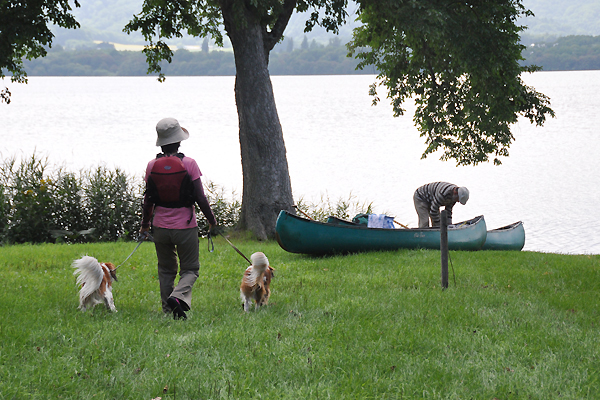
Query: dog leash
(210, 241)
(141, 239)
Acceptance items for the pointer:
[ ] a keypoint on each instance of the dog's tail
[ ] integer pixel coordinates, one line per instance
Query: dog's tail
(89, 275)
(260, 263)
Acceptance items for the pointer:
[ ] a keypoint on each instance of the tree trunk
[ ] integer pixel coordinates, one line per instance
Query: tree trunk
(267, 189)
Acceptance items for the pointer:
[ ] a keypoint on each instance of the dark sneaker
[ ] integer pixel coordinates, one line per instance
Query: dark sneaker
(177, 306)
(184, 305)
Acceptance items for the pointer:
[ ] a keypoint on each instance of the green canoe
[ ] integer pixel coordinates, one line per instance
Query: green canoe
(300, 235)
(509, 237)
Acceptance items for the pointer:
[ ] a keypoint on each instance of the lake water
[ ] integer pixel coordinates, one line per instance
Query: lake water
(337, 145)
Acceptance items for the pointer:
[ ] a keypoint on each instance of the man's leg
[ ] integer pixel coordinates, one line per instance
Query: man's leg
(422, 211)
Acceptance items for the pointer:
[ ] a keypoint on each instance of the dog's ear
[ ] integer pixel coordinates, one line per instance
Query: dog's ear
(271, 269)
(112, 270)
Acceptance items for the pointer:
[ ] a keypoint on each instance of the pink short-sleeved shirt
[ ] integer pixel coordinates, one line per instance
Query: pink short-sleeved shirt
(176, 218)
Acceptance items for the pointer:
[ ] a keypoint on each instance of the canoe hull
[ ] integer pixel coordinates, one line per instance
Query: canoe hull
(510, 237)
(300, 235)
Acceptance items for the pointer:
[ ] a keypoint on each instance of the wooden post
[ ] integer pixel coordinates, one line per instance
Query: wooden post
(444, 247)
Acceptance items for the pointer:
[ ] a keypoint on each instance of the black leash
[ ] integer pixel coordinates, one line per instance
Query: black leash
(210, 242)
(141, 239)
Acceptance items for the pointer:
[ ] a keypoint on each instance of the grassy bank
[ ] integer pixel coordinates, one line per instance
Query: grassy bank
(514, 326)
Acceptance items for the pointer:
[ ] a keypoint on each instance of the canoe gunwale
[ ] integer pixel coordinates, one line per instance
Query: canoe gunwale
(514, 225)
(349, 224)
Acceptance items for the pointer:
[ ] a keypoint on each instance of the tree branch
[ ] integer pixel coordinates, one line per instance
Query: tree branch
(271, 38)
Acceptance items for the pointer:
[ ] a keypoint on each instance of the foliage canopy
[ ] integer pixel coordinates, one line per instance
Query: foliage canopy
(460, 61)
(24, 33)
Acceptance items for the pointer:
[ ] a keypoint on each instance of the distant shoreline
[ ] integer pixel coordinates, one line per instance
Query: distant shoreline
(569, 53)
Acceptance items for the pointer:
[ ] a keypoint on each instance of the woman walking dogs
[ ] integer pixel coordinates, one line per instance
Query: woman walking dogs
(173, 185)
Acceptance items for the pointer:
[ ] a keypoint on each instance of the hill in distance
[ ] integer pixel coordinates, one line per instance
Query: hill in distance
(103, 20)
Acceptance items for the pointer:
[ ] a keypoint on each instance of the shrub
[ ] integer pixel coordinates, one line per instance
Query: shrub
(32, 204)
(5, 199)
(70, 215)
(113, 204)
(227, 212)
(39, 204)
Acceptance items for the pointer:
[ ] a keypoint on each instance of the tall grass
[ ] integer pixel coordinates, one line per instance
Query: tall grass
(343, 208)
(517, 325)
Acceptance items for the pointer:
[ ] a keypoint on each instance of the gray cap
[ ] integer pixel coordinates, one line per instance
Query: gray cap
(169, 132)
(463, 195)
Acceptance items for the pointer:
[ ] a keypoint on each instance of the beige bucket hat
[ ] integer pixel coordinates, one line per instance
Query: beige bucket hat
(169, 131)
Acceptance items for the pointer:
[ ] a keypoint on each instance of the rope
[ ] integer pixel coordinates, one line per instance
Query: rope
(231, 244)
(141, 239)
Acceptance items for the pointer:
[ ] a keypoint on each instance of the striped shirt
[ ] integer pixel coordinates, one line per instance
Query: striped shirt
(437, 194)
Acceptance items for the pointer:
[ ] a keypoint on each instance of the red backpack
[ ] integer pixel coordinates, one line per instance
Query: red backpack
(169, 184)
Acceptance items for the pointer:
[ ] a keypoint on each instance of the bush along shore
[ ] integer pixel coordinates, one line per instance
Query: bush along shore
(41, 203)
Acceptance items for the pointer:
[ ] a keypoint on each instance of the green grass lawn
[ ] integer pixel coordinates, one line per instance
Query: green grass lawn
(515, 325)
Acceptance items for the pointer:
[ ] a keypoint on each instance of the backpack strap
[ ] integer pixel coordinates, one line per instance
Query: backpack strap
(161, 155)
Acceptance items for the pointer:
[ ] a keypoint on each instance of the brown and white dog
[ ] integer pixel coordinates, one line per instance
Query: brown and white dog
(256, 282)
(95, 280)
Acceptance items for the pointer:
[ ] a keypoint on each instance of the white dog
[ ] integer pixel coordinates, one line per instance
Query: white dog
(256, 282)
(95, 280)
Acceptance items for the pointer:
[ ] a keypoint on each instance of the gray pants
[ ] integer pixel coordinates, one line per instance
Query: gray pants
(171, 244)
(422, 208)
